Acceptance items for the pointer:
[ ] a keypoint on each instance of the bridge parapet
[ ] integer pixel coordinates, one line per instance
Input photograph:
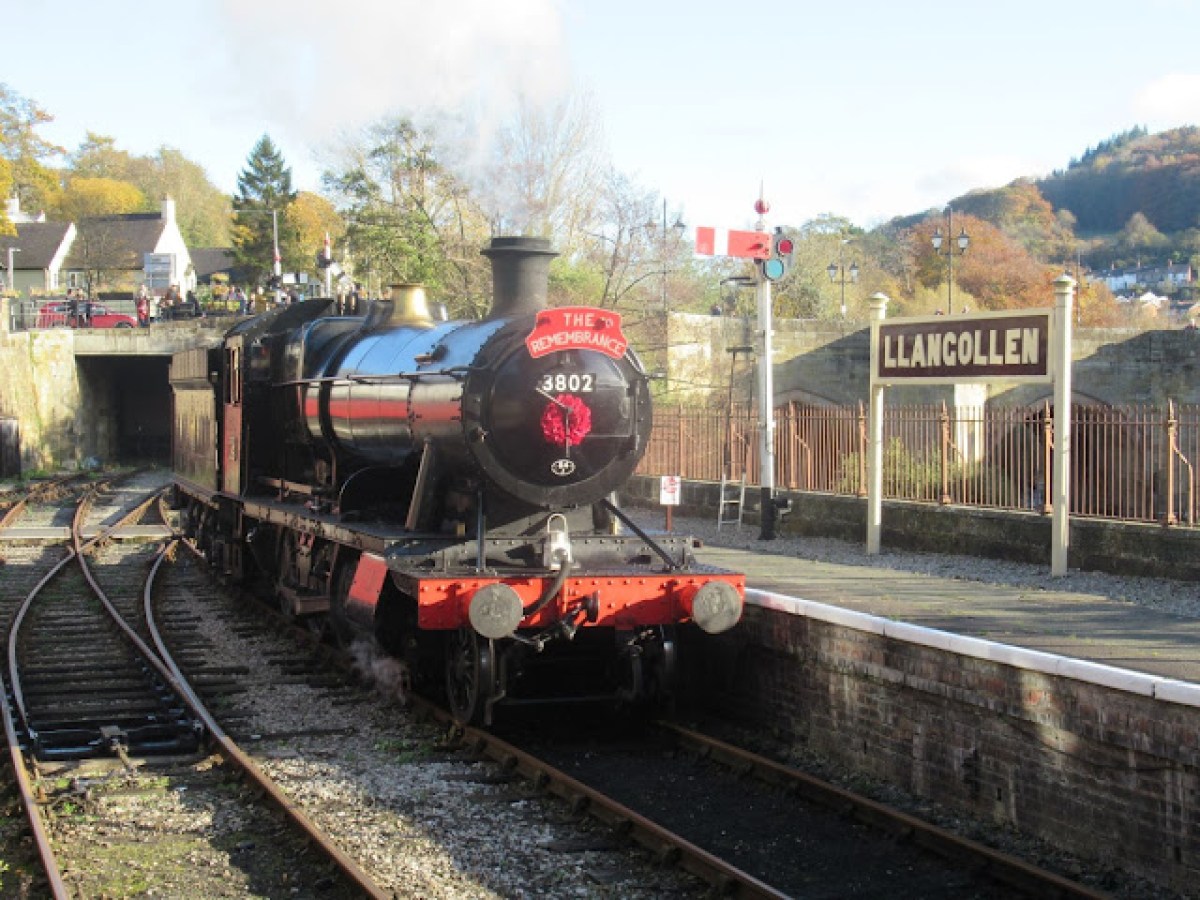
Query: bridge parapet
(160, 339)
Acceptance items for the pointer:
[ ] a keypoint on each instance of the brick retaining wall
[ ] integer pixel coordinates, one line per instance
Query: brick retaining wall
(1103, 772)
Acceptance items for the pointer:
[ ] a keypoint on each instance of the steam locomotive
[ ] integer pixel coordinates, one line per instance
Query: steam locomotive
(447, 488)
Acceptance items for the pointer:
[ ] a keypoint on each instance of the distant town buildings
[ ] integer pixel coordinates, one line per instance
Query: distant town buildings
(1164, 278)
(113, 253)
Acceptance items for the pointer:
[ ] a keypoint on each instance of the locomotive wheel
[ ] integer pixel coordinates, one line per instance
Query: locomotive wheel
(286, 563)
(469, 675)
(339, 626)
(648, 677)
(661, 687)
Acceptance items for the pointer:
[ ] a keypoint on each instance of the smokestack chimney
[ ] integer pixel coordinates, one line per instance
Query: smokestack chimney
(520, 274)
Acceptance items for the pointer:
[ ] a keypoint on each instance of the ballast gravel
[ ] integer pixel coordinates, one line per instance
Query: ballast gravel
(423, 818)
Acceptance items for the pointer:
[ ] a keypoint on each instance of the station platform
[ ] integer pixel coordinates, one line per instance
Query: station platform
(1101, 624)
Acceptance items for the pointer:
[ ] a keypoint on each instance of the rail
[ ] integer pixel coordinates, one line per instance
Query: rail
(1130, 463)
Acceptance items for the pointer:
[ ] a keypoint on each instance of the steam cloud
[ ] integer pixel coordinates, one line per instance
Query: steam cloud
(327, 68)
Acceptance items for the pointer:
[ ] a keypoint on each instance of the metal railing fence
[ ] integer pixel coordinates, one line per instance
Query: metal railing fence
(26, 315)
(1130, 463)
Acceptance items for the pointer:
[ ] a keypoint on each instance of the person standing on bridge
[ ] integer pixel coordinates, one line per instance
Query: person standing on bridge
(143, 307)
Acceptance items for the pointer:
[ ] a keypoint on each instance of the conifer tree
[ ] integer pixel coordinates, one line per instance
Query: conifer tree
(264, 192)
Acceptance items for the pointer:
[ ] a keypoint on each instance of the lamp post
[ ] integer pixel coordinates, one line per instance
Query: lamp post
(837, 269)
(276, 264)
(1081, 287)
(277, 267)
(679, 228)
(963, 241)
(738, 282)
(11, 277)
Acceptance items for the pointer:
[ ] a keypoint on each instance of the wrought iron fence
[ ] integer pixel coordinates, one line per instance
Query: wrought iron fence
(1134, 463)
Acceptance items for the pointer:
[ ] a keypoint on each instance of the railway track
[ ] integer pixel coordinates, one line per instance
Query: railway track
(421, 811)
(758, 853)
(93, 704)
(751, 827)
(753, 856)
(422, 807)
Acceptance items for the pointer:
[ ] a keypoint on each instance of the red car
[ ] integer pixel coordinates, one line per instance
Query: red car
(51, 315)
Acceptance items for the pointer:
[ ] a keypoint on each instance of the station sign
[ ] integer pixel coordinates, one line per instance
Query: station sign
(158, 263)
(1002, 346)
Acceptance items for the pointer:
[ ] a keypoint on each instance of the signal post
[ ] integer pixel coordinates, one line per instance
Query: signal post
(773, 255)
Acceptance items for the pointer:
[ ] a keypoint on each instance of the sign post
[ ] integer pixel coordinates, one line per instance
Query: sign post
(1064, 293)
(879, 304)
(669, 489)
(1022, 346)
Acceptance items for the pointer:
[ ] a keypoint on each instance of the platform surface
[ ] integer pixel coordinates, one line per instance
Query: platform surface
(1033, 609)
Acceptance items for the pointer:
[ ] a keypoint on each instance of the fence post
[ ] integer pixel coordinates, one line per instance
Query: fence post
(679, 436)
(1172, 449)
(862, 450)
(1047, 456)
(944, 418)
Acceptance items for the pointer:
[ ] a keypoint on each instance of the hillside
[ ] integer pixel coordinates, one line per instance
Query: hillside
(1157, 175)
(1134, 199)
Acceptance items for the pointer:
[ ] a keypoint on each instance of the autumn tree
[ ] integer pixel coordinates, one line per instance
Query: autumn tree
(1139, 238)
(1096, 307)
(264, 192)
(84, 198)
(26, 152)
(618, 248)
(312, 217)
(202, 209)
(545, 170)
(6, 227)
(408, 218)
(1022, 213)
(98, 156)
(996, 272)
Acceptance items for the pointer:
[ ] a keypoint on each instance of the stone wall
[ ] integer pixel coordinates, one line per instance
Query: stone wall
(40, 388)
(61, 385)
(828, 363)
(1105, 771)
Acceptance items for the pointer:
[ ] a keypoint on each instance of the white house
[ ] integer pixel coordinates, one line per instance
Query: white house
(131, 250)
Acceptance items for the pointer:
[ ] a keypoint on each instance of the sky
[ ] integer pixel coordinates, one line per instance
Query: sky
(866, 109)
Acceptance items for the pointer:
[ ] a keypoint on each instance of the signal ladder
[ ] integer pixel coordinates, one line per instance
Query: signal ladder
(733, 497)
(732, 503)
